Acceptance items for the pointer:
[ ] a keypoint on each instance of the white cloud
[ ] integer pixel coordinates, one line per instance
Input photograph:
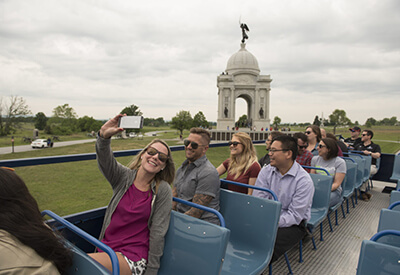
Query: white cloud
(165, 56)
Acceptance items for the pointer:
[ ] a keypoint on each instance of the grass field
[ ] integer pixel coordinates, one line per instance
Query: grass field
(77, 186)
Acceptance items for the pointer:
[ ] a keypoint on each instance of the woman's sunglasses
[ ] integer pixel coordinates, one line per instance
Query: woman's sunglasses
(194, 145)
(234, 143)
(307, 132)
(303, 146)
(161, 156)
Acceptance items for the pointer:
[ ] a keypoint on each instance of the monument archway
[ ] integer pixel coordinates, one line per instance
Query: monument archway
(242, 79)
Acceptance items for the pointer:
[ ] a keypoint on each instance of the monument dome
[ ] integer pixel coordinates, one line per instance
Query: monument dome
(242, 61)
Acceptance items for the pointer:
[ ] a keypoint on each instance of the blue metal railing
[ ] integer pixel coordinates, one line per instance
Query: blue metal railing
(204, 208)
(251, 186)
(87, 237)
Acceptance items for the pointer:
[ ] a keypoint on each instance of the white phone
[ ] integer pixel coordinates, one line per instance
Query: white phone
(131, 122)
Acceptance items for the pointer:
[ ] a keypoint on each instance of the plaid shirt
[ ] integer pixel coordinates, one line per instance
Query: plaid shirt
(305, 159)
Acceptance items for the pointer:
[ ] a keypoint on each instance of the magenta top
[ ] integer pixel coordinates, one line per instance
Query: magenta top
(128, 231)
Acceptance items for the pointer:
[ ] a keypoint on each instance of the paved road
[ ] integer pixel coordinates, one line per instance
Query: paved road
(24, 148)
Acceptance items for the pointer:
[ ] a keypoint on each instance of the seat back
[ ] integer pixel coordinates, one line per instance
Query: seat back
(350, 179)
(367, 168)
(360, 169)
(322, 193)
(193, 246)
(395, 196)
(378, 258)
(83, 264)
(389, 220)
(396, 168)
(253, 223)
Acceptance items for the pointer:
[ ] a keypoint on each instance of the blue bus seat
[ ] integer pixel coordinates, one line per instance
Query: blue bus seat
(396, 168)
(389, 220)
(360, 172)
(193, 246)
(253, 223)
(379, 258)
(320, 204)
(349, 184)
(368, 161)
(83, 264)
(394, 196)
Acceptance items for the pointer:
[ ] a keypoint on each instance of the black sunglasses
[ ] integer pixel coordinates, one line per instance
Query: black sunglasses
(303, 147)
(194, 145)
(161, 156)
(307, 132)
(234, 143)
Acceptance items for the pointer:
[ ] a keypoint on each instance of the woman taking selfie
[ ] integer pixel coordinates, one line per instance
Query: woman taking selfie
(27, 244)
(141, 192)
(242, 166)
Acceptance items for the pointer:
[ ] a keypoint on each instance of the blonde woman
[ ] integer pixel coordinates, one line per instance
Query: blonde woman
(137, 217)
(242, 166)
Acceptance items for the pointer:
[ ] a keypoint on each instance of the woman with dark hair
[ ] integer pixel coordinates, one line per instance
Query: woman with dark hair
(27, 244)
(137, 217)
(328, 159)
(313, 133)
(242, 166)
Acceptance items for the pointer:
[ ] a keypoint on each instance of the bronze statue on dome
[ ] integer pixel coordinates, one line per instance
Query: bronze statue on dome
(245, 29)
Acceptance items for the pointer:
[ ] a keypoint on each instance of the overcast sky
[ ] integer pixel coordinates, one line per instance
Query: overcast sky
(165, 56)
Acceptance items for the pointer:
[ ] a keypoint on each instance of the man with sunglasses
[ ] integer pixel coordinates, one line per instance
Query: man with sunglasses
(304, 156)
(355, 139)
(197, 179)
(369, 149)
(294, 188)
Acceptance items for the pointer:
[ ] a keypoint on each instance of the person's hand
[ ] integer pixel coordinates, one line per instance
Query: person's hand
(111, 128)
(366, 152)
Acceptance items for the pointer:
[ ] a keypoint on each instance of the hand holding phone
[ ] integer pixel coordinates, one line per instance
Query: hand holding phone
(130, 122)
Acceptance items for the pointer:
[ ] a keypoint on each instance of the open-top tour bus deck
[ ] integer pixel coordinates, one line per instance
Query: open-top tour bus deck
(244, 247)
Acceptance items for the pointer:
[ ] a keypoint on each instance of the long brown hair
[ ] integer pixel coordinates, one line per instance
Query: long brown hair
(20, 217)
(167, 174)
(239, 165)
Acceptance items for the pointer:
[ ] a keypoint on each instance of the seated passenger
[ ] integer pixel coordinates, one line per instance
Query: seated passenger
(329, 160)
(294, 189)
(27, 244)
(264, 161)
(369, 149)
(354, 139)
(242, 166)
(197, 179)
(342, 146)
(141, 192)
(313, 136)
(303, 155)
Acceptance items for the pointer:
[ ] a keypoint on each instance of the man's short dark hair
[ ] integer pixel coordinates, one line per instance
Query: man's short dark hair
(369, 133)
(288, 143)
(275, 134)
(201, 132)
(301, 136)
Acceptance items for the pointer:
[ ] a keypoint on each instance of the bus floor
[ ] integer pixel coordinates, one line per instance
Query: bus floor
(338, 253)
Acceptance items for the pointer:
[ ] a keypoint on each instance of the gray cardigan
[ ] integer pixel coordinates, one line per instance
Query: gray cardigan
(121, 178)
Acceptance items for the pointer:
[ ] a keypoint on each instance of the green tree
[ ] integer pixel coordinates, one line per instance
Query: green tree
(277, 121)
(132, 110)
(242, 122)
(317, 121)
(199, 120)
(88, 124)
(9, 113)
(370, 122)
(338, 118)
(40, 121)
(63, 121)
(183, 120)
